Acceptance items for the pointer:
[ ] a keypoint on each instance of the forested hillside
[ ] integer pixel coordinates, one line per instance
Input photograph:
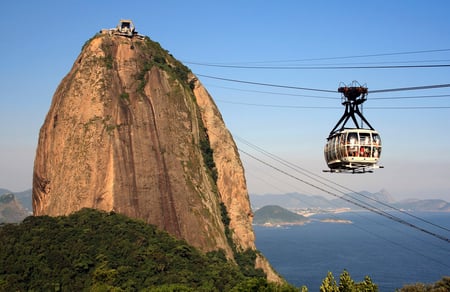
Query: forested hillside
(277, 215)
(100, 251)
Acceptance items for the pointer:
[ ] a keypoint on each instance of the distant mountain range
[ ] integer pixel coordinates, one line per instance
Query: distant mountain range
(381, 200)
(14, 209)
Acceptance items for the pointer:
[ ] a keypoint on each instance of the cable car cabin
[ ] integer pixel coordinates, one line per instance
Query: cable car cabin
(353, 150)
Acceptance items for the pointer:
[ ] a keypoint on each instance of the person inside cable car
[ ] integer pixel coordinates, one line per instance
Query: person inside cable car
(367, 151)
(375, 152)
(376, 139)
(352, 148)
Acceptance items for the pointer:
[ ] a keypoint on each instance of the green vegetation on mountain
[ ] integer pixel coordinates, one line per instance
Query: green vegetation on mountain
(157, 56)
(277, 215)
(97, 251)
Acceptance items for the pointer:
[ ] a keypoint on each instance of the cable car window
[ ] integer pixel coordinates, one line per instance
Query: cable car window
(342, 151)
(376, 152)
(364, 138)
(352, 145)
(328, 150)
(333, 148)
(365, 145)
(364, 151)
(376, 139)
(351, 138)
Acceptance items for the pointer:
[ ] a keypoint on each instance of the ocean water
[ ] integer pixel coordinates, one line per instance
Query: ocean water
(391, 253)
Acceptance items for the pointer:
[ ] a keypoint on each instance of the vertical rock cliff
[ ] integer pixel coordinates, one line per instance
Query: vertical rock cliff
(132, 130)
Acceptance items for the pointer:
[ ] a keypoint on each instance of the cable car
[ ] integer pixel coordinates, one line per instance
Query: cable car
(353, 149)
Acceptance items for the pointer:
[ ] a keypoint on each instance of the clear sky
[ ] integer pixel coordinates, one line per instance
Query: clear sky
(41, 40)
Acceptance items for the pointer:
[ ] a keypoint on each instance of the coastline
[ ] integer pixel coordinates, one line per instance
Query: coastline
(287, 224)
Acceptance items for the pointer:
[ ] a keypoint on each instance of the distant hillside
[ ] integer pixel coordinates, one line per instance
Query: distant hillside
(277, 215)
(23, 197)
(293, 201)
(432, 205)
(11, 211)
(103, 251)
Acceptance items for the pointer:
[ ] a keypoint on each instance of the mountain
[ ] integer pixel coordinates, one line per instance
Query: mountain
(25, 199)
(294, 201)
(433, 205)
(132, 130)
(277, 215)
(11, 211)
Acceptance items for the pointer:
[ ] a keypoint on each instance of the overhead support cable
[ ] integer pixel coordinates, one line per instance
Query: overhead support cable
(309, 67)
(411, 88)
(336, 58)
(325, 90)
(277, 105)
(266, 84)
(393, 63)
(331, 107)
(330, 97)
(277, 93)
(410, 97)
(407, 107)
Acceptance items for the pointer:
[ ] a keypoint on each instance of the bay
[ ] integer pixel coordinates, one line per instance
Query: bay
(390, 253)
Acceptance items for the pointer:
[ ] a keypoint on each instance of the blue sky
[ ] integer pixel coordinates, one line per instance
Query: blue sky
(41, 40)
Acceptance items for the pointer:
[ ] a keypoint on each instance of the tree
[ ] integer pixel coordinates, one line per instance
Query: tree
(346, 283)
(329, 284)
(367, 285)
(443, 284)
(440, 286)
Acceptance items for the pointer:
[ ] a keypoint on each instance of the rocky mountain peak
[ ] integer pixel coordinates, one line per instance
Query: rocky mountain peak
(131, 130)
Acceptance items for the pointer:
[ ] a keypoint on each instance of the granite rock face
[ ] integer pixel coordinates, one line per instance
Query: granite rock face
(132, 130)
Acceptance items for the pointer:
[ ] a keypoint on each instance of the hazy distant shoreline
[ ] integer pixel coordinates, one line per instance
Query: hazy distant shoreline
(313, 204)
(287, 224)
